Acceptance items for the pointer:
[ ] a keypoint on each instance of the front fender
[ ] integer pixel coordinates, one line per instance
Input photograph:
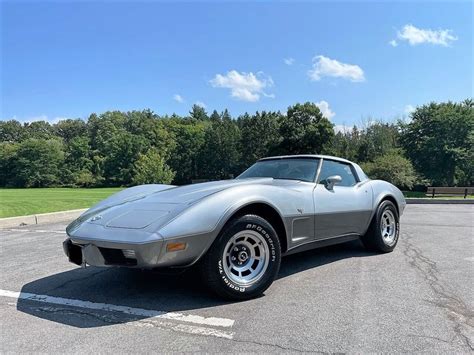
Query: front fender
(205, 219)
(383, 189)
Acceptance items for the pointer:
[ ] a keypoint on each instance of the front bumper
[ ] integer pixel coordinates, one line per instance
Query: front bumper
(148, 255)
(101, 253)
(100, 256)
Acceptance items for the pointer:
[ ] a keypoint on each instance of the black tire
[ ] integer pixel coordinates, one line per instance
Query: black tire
(373, 240)
(215, 271)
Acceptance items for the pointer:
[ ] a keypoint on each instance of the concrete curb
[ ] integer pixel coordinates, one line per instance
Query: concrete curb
(40, 218)
(429, 201)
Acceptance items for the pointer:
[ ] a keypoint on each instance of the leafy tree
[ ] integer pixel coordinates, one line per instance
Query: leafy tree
(113, 147)
(377, 139)
(215, 117)
(12, 131)
(39, 130)
(69, 129)
(184, 158)
(305, 131)
(392, 167)
(150, 168)
(105, 127)
(148, 125)
(225, 116)
(120, 153)
(219, 156)
(78, 162)
(7, 163)
(439, 141)
(117, 138)
(101, 130)
(259, 134)
(38, 163)
(198, 113)
(346, 144)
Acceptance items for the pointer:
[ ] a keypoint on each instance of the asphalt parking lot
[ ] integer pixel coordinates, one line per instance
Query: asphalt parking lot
(420, 298)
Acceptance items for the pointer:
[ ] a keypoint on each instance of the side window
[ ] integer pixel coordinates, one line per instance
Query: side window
(331, 168)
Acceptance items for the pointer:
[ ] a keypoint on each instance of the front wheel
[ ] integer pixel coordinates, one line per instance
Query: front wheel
(384, 230)
(244, 260)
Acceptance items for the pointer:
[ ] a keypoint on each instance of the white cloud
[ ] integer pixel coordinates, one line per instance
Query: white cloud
(325, 110)
(324, 66)
(57, 119)
(42, 117)
(201, 104)
(38, 118)
(178, 98)
(342, 128)
(416, 36)
(393, 43)
(289, 61)
(409, 109)
(244, 86)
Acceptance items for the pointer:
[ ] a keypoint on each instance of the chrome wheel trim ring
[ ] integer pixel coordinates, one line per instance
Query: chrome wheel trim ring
(246, 257)
(388, 227)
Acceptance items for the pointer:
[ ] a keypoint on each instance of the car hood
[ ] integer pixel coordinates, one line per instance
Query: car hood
(145, 205)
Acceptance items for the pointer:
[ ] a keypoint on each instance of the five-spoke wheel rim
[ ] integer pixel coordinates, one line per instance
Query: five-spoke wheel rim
(388, 227)
(246, 257)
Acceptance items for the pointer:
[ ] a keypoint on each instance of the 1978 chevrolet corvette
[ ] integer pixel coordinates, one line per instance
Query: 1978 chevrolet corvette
(238, 230)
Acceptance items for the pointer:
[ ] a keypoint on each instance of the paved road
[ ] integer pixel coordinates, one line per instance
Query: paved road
(336, 299)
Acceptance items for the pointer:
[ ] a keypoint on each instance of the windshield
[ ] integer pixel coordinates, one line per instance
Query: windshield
(292, 169)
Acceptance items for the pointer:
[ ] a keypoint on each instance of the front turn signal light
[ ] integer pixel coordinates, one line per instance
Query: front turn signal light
(175, 246)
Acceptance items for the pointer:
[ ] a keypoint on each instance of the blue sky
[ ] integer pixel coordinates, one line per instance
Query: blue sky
(356, 59)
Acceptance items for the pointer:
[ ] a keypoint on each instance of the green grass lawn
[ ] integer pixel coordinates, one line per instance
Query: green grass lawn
(21, 202)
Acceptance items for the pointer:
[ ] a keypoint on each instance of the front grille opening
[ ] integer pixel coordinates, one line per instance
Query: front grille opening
(116, 257)
(74, 253)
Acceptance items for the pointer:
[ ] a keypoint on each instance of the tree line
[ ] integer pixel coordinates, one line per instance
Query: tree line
(434, 147)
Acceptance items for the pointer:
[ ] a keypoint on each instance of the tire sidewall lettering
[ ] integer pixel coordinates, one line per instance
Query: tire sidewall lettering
(228, 283)
(263, 232)
(267, 237)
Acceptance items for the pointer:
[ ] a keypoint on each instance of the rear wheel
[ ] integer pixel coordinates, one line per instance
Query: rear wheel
(383, 233)
(244, 260)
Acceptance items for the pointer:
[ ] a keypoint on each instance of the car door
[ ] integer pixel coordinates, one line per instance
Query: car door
(344, 208)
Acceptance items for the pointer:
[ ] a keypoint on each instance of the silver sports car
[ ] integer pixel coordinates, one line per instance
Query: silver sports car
(237, 230)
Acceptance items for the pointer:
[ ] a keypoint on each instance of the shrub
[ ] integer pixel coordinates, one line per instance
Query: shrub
(151, 168)
(392, 167)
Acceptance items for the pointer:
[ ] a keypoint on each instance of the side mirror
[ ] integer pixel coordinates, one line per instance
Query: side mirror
(332, 180)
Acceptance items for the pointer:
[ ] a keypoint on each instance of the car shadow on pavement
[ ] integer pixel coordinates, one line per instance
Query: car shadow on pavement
(151, 290)
(299, 262)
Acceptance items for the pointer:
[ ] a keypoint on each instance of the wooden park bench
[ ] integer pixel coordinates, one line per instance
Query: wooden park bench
(449, 191)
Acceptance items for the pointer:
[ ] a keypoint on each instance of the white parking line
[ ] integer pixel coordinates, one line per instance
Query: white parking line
(31, 231)
(151, 315)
